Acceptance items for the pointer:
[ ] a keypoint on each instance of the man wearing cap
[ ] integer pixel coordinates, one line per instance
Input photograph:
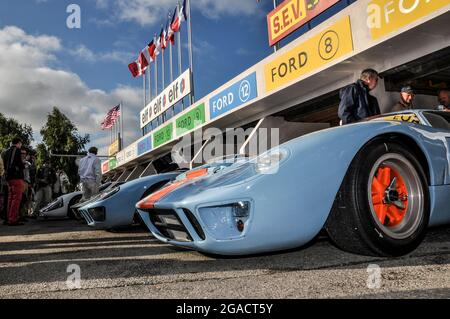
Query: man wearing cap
(406, 98)
(444, 100)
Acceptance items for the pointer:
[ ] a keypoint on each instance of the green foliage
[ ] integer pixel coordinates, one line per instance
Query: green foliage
(61, 136)
(42, 155)
(10, 128)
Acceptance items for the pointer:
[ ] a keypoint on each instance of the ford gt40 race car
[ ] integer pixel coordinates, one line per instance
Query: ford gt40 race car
(374, 186)
(61, 207)
(116, 207)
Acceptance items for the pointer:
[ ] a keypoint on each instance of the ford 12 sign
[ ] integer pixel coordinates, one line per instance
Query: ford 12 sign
(236, 95)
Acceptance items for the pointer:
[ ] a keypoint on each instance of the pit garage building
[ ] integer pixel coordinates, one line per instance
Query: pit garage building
(296, 89)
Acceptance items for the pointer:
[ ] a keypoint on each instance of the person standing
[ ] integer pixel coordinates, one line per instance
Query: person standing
(356, 103)
(3, 187)
(64, 181)
(45, 178)
(61, 186)
(26, 198)
(2, 168)
(406, 99)
(90, 173)
(15, 178)
(444, 100)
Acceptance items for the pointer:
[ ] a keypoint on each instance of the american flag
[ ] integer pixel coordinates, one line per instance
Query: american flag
(111, 118)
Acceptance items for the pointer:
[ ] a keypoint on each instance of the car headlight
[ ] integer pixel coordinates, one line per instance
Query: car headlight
(226, 221)
(269, 162)
(109, 193)
(57, 203)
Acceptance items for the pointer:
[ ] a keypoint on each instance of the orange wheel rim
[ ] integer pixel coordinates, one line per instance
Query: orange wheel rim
(389, 196)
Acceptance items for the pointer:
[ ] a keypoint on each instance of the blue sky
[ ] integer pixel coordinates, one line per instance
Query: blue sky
(84, 71)
(240, 39)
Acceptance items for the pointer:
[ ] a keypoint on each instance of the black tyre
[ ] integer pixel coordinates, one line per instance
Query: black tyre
(382, 208)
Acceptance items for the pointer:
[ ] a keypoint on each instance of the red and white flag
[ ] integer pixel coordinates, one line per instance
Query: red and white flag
(179, 17)
(143, 61)
(135, 68)
(157, 42)
(170, 31)
(152, 50)
(148, 56)
(111, 118)
(163, 37)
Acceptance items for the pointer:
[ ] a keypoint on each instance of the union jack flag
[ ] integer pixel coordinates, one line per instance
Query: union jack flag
(111, 118)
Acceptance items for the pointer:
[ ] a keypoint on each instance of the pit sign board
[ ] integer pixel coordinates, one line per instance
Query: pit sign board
(314, 53)
(385, 17)
(163, 135)
(293, 14)
(177, 90)
(114, 148)
(191, 120)
(234, 96)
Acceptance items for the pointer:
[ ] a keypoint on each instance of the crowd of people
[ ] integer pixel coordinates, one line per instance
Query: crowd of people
(26, 188)
(358, 104)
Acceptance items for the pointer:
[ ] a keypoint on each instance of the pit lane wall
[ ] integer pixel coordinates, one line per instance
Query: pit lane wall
(336, 42)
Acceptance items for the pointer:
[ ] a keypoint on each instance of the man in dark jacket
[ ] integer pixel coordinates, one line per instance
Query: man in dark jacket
(356, 102)
(14, 176)
(406, 99)
(45, 178)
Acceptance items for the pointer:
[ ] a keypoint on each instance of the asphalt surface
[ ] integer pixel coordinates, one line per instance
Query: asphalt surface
(129, 263)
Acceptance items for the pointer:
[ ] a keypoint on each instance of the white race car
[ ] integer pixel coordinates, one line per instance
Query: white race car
(60, 207)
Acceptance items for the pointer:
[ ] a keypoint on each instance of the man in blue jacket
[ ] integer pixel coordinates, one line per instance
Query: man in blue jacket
(356, 102)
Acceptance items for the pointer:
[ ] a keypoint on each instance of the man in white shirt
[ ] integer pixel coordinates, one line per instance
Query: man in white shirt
(90, 173)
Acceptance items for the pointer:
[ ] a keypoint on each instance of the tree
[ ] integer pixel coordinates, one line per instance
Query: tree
(61, 136)
(10, 128)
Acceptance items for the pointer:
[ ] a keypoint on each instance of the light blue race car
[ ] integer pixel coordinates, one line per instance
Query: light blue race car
(374, 186)
(115, 207)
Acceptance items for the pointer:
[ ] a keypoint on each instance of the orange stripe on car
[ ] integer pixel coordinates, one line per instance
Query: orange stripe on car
(149, 202)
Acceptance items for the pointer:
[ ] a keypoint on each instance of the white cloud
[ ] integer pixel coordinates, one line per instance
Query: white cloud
(153, 12)
(84, 53)
(31, 87)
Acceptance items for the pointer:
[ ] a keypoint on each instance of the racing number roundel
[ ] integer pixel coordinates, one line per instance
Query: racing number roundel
(329, 45)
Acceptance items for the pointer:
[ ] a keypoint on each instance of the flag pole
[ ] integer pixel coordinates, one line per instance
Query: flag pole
(180, 57)
(145, 89)
(170, 49)
(163, 70)
(191, 59)
(121, 126)
(171, 63)
(149, 84)
(156, 73)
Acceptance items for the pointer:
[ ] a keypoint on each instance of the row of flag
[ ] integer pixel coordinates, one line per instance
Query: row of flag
(159, 43)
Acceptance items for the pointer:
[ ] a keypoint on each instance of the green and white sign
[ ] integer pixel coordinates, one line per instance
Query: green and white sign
(191, 120)
(163, 135)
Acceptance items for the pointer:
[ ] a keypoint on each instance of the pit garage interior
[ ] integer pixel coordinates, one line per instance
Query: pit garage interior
(419, 57)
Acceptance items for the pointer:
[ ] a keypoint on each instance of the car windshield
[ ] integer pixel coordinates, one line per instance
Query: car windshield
(438, 120)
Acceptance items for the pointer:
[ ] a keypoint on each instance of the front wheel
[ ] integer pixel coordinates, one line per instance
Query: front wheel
(382, 208)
